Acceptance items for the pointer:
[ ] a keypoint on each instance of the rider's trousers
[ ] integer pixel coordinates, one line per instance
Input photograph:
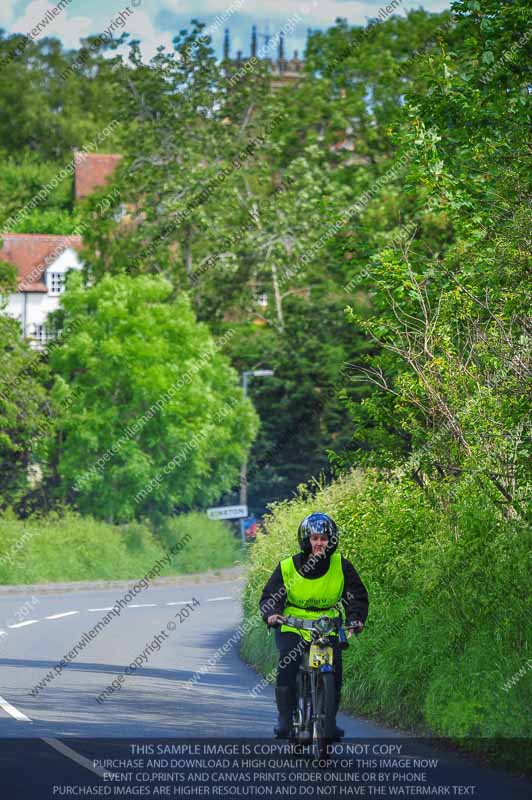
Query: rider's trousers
(291, 648)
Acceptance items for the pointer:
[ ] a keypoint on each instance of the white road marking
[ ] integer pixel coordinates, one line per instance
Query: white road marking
(77, 757)
(13, 711)
(179, 603)
(109, 608)
(21, 624)
(64, 614)
(212, 599)
(142, 605)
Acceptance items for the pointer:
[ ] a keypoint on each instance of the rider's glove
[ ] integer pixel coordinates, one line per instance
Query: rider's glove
(275, 620)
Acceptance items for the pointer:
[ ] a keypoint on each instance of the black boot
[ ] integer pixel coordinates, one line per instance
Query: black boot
(285, 697)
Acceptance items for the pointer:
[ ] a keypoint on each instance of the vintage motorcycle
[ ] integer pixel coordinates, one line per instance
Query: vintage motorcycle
(314, 713)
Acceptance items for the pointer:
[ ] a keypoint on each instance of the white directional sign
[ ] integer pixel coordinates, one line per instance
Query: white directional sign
(227, 512)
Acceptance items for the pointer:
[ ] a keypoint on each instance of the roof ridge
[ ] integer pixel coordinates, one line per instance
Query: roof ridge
(98, 155)
(43, 235)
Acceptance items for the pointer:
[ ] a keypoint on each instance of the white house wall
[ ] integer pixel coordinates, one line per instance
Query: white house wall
(40, 304)
(69, 259)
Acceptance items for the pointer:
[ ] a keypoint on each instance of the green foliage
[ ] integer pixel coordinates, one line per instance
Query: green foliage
(49, 115)
(211, 544)
(22, 179)
(307, 357)
(441, 253)
(447, 272)
(449, 619)
(67, 547)
(242, 226)
(24, 408)
(236, 229)
(53, 221)
(394, 178)
(8, 279)
(153, 417)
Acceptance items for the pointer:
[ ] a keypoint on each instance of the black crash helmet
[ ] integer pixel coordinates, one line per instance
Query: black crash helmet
(317, 523)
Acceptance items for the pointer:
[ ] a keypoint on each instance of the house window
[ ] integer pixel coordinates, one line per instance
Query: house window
(40, 334)
(56, 282)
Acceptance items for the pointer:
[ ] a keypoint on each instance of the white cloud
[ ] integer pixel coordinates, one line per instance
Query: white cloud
(272, 16)
(140, 26)
(70, 29)
(65, 27)
(6, 12)
(319, 13)
(241, 14)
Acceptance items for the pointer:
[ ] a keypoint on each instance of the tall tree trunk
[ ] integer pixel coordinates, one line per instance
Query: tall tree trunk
(188, 252)
(278, 299)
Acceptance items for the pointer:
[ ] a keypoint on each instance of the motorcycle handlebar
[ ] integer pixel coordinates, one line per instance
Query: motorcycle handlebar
(308, 624)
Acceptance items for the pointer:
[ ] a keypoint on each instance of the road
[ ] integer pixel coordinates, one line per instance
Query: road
(158, 700)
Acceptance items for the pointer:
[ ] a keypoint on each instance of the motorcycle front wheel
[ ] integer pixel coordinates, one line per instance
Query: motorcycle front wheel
(324, 716)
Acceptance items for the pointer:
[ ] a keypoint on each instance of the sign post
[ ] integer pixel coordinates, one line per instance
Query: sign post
(228, 512)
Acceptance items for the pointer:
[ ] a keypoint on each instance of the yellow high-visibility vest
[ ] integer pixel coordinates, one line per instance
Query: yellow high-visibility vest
(312, 598)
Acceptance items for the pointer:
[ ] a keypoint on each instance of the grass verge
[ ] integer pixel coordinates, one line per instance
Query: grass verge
(69, 547)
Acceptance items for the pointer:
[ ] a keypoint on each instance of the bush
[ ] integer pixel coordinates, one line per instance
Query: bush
(210, 543)
(449, 620)
(73, 548)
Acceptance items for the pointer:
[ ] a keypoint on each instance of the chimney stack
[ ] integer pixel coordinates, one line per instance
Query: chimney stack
(281, 50)
(226, 45)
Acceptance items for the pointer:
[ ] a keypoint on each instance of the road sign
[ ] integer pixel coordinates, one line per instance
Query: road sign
(227, 512)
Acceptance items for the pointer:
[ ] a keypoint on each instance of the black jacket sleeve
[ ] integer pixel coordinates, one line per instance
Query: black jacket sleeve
(273, 596)
(355, 597)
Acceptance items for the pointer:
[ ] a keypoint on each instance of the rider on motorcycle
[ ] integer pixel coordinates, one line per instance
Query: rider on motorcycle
(309, 585)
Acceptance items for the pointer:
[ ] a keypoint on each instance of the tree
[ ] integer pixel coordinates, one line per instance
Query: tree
(53, 111)
(450, 285)
(245, 235)
(157, 421)
(301, 415)
(24, 407)
(22, 177)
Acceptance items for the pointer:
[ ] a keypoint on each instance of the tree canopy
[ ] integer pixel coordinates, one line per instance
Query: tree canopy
(152, 419)
(364, 231)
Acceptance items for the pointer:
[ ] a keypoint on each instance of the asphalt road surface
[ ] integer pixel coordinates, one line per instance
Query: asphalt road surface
(160, 699)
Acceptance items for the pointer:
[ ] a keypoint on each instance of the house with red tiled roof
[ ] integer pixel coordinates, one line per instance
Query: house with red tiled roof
(42, 260)
(92, 171)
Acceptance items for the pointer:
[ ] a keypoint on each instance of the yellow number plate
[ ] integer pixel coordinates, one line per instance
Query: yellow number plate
(320, 655)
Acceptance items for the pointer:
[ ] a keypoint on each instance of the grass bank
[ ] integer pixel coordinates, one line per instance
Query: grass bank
(449, 627)
(70, 547)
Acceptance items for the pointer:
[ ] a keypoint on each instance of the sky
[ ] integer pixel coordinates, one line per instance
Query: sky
(156, 22)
